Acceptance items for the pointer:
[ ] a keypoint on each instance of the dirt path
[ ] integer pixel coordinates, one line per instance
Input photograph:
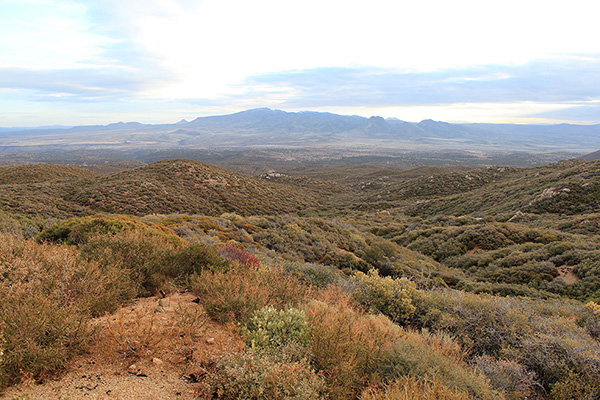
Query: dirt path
(152, 349)
(567, 275)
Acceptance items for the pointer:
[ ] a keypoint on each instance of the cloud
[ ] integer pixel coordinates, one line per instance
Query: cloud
(224, 56)
(77, 84)
(68, 51)
(561, 79)
(576, 112)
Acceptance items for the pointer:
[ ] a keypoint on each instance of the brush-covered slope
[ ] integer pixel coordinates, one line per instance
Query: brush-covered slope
(41, 189)
(23, 174)
(570, 187)
(170, 186)
(428, 182)
(191, 187)
(320, 186)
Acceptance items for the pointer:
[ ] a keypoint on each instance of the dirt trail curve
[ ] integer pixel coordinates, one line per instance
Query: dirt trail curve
(151, 349)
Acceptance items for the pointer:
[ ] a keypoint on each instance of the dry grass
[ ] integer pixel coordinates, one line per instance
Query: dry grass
(356, 351)
(235, 294)
(409, 388)
(46, 294)
(174, 329)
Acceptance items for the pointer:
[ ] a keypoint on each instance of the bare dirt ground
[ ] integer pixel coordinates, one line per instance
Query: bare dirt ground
(567, 275)
(152, 349)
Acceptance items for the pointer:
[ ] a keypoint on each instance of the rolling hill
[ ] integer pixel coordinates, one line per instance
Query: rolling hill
(42, 173)
(565, 187)
(191, 187)
(170, 186)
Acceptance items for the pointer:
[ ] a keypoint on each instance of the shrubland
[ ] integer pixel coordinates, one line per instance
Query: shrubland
(332, 303)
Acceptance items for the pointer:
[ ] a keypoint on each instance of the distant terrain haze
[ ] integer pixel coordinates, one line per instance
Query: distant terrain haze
(266, 128)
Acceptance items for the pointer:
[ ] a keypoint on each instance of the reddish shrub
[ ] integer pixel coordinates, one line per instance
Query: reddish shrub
(237, 254)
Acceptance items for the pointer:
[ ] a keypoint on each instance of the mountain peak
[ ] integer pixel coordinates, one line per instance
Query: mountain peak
(261, 110)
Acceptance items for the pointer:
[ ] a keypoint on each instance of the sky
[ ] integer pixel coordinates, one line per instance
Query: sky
(81, 62)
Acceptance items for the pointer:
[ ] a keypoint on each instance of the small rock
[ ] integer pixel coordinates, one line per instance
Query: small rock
(210, 340)
(159, 309)
(163, 303)
(157, 361)
(133, 369)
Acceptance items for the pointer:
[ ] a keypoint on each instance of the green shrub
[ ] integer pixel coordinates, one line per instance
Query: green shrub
(485, 324)
(79, 230)
(435, 355)
(151, 260)
(392, 297)
(575, 386)
(20, 226)
(191, 258)
(542, 336)
(591, 321)
(343, 260)
(487, 237)
(438, 246)
(319, 275)
(557, 351)
(272, 328)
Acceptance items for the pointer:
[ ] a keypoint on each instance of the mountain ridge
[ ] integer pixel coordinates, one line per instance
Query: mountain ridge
(264, 127)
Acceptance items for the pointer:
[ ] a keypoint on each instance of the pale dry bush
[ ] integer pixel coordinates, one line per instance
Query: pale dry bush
(260, 375)
(411, 388)
(191, 322)
(348, 347)
(235, 294)
(510, 377)
(271, 328)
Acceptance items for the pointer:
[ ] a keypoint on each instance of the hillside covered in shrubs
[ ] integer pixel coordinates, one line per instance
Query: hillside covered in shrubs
(424, 284)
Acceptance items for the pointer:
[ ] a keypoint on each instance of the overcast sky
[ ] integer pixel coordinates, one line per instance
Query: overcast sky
(73, 62)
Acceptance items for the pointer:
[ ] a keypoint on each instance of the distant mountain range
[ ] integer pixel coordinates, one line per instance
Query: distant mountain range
(266, 128)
